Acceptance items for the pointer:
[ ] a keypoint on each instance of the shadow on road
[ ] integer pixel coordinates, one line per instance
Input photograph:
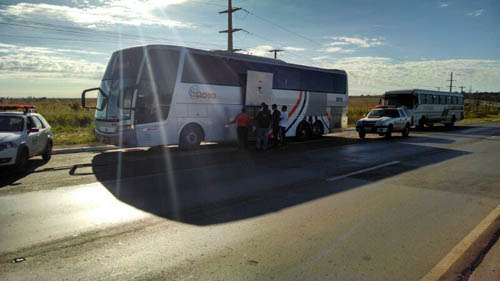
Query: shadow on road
(8, 176)
(217, 186)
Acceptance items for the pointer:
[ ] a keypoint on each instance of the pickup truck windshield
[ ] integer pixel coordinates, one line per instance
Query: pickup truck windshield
(377, 113)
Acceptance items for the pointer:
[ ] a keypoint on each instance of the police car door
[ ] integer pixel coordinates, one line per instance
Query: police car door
(34, 132)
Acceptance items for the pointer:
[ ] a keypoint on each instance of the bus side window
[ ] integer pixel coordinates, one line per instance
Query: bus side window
(423, 99)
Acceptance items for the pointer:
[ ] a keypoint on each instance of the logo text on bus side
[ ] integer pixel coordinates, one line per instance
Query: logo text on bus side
(196, 93)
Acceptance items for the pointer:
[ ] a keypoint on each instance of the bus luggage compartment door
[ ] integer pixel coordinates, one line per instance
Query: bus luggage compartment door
(259, 88)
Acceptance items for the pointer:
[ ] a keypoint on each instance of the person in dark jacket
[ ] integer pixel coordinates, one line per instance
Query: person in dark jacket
(275, 124)
(262, 123)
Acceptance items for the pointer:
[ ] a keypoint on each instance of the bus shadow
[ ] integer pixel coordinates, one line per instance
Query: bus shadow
(219, 187)
(8, 175)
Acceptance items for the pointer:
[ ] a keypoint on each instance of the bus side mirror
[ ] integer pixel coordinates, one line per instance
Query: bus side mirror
(84, 93)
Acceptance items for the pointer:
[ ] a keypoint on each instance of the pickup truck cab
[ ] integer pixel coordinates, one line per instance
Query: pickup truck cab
(384, 120)
(23, 134)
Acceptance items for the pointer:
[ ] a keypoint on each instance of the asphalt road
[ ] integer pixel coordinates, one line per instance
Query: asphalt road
(337, 208)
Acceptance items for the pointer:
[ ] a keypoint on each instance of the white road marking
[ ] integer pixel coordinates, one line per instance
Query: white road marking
(363, 171)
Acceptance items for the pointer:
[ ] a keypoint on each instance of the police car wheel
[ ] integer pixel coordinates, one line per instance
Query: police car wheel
(47, 154)
(22, 159)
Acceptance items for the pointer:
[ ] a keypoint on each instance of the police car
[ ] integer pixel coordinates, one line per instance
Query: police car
(23, 134)
(384, 120)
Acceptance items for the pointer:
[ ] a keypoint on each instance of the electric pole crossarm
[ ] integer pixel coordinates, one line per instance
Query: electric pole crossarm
(232, 11)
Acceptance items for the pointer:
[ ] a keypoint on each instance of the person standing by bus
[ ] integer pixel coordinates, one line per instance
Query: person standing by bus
(283, 124)
(275, 124)
(262, 122)
(242, 121)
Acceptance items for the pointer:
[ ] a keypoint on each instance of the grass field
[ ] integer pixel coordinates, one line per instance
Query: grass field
(70, 123)
(73, 125)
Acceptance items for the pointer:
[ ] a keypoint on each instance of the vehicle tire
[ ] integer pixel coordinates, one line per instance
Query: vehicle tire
(22, 159)
(47, 153)
(406, 131)
(318, 129)
(388, 134)
(362, 134)
(191, 137)
(451, 123)
(421, 123)
(303, 131)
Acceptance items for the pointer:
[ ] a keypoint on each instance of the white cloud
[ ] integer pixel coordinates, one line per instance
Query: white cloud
(476, 13)
(25, 62)
(294, 49)
(360, 42)
(261, 50)
(375, 75)
(338, 50)
(443, 5)
(125, 12)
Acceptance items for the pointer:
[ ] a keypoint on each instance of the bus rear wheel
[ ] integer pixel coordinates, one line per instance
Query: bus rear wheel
(191, 137)
(318, 129)
(303, 131)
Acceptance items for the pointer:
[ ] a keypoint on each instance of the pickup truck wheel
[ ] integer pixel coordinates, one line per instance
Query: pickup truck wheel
(47, 153)
(362, 134)
(421, 123)
(388, 134)
(406, 131)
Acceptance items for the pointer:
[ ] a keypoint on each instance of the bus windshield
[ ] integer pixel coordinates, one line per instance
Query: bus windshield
(151, 79)
(407, 100)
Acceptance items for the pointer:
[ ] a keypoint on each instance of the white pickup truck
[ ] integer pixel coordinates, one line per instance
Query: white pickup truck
(384, 120)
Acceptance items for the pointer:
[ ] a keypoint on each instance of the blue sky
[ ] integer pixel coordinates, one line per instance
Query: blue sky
(57, 48)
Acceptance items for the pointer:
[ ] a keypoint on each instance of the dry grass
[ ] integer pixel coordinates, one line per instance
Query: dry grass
(73, 125)
(359, 107)
(70, 123)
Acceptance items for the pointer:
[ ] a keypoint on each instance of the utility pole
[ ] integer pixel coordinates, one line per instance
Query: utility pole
(230, 30)
(275, 51)
(461, 89)
(451, 82)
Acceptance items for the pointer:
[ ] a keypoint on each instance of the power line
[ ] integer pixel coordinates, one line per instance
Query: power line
(283, 28)
(89, 32)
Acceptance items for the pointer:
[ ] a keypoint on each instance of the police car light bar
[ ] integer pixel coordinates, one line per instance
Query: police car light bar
(18, 107)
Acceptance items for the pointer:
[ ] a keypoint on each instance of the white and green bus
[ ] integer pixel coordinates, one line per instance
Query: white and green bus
(428, 107)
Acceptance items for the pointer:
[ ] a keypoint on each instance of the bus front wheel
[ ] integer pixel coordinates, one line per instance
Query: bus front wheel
(191, 137)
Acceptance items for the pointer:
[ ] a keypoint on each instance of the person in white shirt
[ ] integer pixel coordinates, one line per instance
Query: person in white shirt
(283, 124)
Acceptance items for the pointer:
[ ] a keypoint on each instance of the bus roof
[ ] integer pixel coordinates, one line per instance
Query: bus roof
(419, 91)
(238, 56)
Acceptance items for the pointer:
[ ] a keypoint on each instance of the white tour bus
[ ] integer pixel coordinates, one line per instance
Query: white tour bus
(428, 107)
(160, 95)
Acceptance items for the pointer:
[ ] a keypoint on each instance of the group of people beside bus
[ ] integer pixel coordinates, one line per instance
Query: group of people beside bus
(268, 125)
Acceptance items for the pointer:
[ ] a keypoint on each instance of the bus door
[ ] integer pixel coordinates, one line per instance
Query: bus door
(259, 89)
